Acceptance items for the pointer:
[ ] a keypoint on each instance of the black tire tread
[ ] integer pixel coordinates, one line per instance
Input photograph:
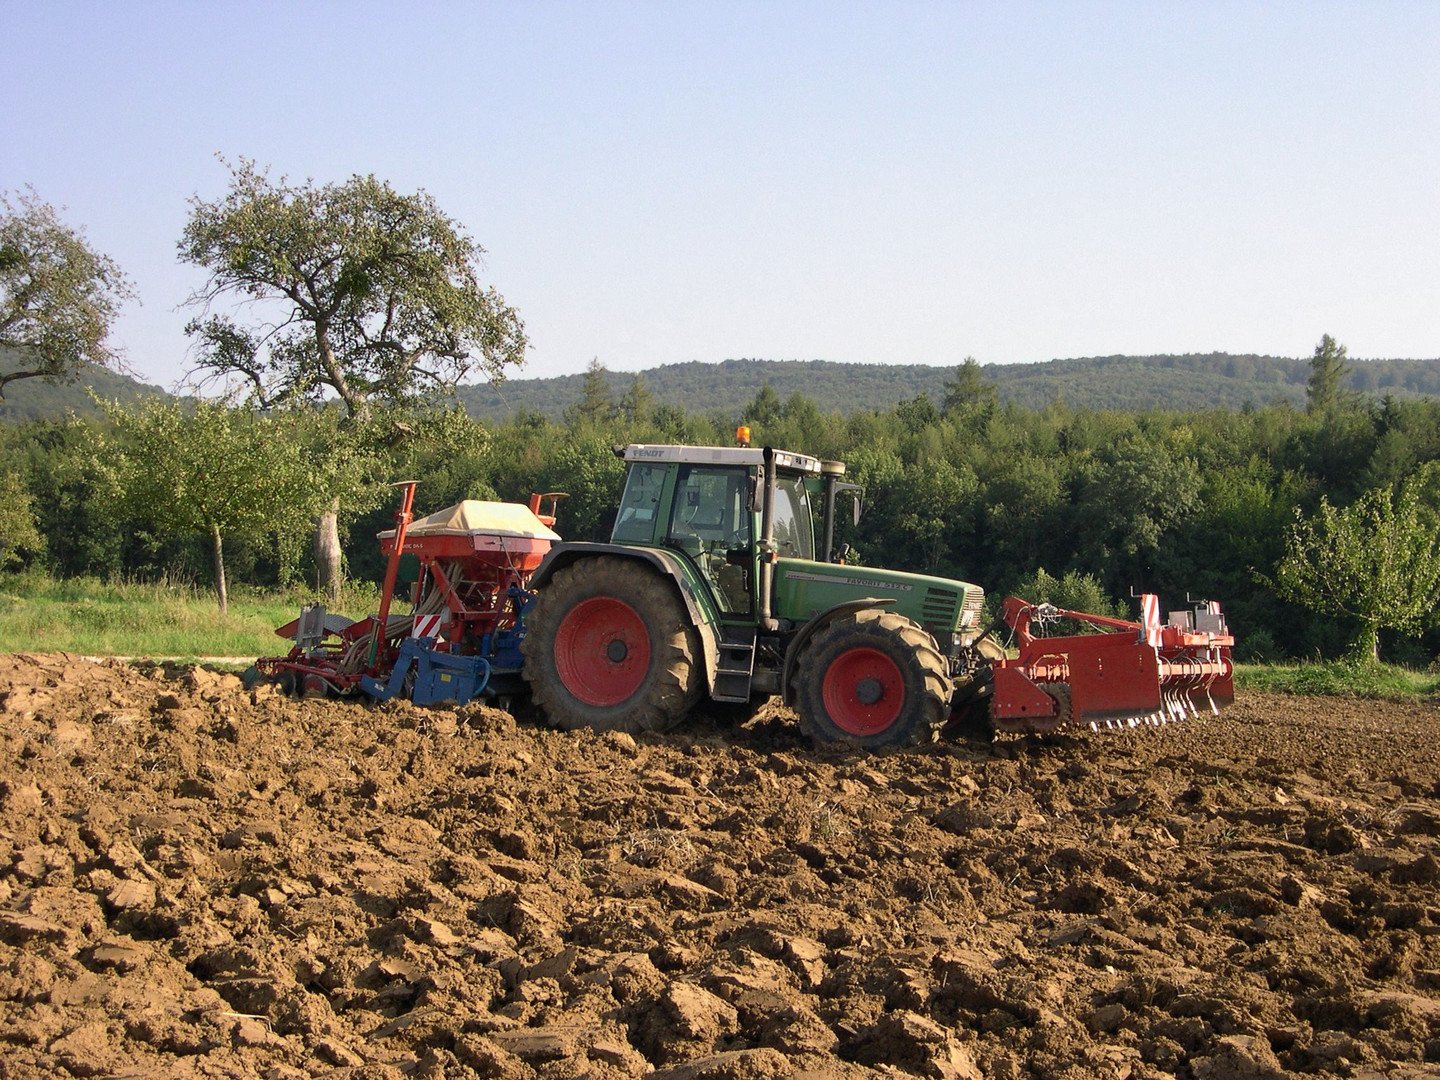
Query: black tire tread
(674, 683)
(878, 627)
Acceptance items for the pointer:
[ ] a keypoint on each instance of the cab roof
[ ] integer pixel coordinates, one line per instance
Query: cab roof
(720, 455)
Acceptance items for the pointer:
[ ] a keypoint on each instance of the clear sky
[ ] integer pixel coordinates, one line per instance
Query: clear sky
(873, 182)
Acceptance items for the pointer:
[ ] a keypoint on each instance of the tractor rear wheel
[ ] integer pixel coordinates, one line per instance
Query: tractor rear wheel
(609, 646)
(873, 679)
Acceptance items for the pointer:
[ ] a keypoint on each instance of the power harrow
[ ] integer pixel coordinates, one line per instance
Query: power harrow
(1128, 675)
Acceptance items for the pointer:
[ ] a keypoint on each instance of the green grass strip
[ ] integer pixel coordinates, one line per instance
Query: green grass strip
(95, 618)
(1340, 678)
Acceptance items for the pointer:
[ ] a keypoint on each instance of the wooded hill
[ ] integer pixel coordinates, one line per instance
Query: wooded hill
(35, 399)
(1192, 381)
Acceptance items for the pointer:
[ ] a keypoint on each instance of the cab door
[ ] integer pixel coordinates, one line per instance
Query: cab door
(711, 522)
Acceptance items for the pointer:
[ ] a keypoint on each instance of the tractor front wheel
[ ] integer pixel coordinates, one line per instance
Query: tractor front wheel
(873, 679)
(609, 646)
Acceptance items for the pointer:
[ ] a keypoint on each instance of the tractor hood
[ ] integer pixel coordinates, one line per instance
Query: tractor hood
(943, 607)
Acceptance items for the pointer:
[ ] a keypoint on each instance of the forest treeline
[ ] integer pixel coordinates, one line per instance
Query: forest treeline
(1189, 503)
(1192, 381)
(1185, 382)
(36, 399)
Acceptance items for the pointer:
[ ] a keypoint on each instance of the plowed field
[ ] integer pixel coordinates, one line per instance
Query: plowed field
(199, 880)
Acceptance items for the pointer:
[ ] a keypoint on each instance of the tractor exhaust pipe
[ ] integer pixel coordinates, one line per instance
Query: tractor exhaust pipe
(832, 471)
(767, 544)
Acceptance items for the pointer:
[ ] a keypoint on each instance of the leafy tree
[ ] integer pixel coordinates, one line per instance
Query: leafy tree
(593, 476)
(928, 505)
(764, 410)
(638, 403)
(1377, 561)
(967, 394)
(596, 406)
(1136, 494)
(214, 470)
(17, 521)
(78, 506)
(1328, 369)
(58, 296)
(917, 413)
(352, 289)
(1024, 502)
(1409, 433)
(669, 422)
(1073, 591)
(800, 426)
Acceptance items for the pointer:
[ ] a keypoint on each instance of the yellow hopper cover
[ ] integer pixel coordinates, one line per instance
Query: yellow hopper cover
(473, 516)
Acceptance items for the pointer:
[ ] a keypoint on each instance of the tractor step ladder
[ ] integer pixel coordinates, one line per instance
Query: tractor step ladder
(736, 664)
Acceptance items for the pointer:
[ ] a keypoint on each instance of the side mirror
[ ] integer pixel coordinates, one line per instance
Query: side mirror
(855, 510)
(755, 501)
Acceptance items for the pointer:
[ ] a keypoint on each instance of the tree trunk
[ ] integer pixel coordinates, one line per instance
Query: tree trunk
(1367, 644)
(328, 563)
(219, 552)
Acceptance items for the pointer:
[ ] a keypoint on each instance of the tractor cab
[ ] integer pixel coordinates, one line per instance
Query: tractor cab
(711, 504)
(746, 521)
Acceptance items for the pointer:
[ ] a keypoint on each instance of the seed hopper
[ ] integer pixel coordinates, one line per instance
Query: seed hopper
(468, 604)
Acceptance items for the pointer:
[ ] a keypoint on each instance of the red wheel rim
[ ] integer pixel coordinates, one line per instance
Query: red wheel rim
(863, 692)
(602, 651)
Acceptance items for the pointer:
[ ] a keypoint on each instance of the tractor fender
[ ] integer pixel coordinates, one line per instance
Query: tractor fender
(811, 628)
(664, 563)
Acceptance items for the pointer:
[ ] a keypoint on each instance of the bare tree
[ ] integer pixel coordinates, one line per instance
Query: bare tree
(349, 289)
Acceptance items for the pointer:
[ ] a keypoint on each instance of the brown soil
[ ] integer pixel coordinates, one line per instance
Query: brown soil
(197, 880)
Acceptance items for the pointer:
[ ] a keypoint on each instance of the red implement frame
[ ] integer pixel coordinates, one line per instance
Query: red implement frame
(474, 582)
(403, 517)
(1141, 672)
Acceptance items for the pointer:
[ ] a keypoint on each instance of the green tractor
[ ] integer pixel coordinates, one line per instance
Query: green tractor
(713, 585)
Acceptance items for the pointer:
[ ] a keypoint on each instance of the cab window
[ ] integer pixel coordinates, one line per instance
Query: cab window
(710, 507)
(635, 520)
(794, 533)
